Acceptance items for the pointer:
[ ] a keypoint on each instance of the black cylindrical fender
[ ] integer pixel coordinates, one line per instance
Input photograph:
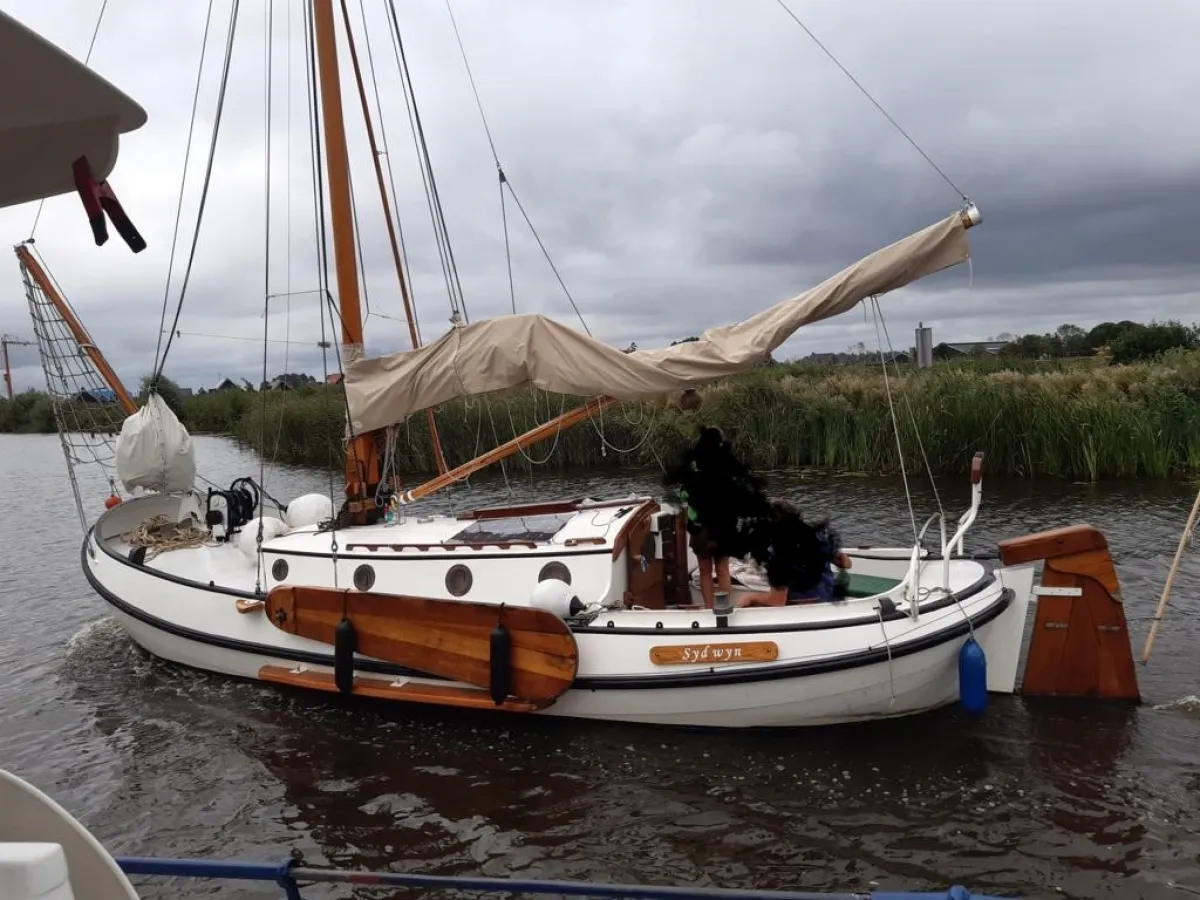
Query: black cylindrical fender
(501, 663)
(345, 641)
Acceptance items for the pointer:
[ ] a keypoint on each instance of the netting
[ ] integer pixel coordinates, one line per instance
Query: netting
(87, 412)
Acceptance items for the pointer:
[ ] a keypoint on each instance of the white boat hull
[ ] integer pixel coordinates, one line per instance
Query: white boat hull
(919, 683)
(836, 663)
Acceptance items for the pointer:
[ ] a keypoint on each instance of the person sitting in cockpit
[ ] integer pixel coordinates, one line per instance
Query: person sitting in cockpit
(797, 558)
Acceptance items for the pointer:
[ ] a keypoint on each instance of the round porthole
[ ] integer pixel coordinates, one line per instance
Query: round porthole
(279, 569)
(555, 570)
(459, 580)
(364, 577)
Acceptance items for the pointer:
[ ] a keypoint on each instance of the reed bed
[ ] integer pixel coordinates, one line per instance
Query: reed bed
(1084, 421)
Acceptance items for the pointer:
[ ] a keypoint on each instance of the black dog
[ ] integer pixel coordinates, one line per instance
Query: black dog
(796, 554)
(721, 494)
(730, 515)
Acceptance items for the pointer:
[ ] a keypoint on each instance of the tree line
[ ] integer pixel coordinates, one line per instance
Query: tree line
(1121, 342)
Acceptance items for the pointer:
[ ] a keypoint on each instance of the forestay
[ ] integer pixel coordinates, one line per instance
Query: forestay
(518, 350)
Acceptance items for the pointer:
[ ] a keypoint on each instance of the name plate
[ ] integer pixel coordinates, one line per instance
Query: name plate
(691, 654)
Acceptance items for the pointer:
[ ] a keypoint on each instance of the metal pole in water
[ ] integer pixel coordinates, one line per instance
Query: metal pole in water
(1162, 601)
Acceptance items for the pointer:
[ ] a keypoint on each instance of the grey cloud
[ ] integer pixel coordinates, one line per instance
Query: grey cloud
(685, 164)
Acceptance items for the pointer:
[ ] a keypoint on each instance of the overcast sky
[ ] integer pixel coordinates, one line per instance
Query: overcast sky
(686, 162)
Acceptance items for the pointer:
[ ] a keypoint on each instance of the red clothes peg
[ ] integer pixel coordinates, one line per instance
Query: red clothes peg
(98, 199)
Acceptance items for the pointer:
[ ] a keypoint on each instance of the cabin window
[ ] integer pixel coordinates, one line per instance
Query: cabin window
(459, 580)
(555, 569)
(279, 569)
(364, 577)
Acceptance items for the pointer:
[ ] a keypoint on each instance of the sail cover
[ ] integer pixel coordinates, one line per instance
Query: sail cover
(517, 350)
(53, 110)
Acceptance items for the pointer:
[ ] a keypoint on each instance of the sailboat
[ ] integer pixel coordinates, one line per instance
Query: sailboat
(582, 608)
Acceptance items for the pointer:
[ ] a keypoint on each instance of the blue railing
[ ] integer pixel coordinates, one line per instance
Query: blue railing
(289, 874)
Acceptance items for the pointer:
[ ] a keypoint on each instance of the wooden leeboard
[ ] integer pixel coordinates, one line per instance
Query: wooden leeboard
(713, 654)
(446, 638)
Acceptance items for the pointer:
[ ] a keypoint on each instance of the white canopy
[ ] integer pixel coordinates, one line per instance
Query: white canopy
(52, 111)
(517, 350)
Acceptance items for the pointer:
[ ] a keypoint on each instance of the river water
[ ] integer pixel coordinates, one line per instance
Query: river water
(1034, 800)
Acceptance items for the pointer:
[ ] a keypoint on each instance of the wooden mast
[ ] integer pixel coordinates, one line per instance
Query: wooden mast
(362, 455)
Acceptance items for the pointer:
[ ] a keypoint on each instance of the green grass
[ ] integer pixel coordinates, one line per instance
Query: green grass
(1075, 419)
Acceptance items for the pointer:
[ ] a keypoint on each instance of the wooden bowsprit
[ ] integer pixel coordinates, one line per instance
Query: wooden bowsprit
(519, 657)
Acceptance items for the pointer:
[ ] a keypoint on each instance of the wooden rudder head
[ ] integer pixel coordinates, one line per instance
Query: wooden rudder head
(1080, 646)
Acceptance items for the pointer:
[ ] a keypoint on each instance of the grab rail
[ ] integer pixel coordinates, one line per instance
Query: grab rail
(288, 874)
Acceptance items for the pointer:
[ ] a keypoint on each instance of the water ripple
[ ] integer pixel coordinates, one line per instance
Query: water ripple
(1038, 799)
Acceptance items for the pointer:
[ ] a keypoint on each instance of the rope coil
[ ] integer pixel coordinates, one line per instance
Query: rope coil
(161, 533)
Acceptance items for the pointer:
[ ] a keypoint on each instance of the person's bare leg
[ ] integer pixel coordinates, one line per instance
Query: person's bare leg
(706, 579)
(724, 579)
(723, 600)
(773, 597)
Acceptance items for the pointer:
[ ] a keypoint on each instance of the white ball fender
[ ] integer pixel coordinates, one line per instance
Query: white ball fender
(248, 537)
(557, 597)
(307, 510)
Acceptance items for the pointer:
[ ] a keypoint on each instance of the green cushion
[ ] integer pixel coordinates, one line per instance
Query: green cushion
(870, 585)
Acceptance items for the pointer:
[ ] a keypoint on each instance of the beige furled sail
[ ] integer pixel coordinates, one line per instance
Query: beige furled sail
(53, 111)
(517, 350)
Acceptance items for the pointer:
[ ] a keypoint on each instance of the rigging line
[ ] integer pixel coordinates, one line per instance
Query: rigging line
(406, 90)
(322, 258)
(912, 416)
(358, 248)
(404, 292)
(318, 180)
(254, 340)
(65, 299)
(912, 515)
(557, 431)
(876, 103)
(419, 136)
(430, 194)
(546, 253)
(512, 293)
(504, 181)
(187, 155)
(287, 164)
(390, 318)
(391, 176)
(287, 223)
(95, 31)
(262, 432)
(326, 301)
(86, 59)
(212, 153)
(474, 89)
(496, 443)
(314, 168)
